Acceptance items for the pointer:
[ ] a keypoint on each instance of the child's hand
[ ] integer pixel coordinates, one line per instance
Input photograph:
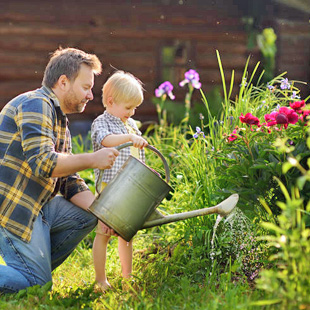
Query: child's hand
(138, 141)
(106, 230)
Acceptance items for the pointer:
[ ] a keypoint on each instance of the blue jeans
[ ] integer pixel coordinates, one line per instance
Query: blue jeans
(58, 229)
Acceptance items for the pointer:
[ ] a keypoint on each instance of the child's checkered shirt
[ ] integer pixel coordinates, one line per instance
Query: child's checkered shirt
(107, 124)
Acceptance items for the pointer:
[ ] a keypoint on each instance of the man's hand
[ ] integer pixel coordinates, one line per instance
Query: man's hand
(104, 158)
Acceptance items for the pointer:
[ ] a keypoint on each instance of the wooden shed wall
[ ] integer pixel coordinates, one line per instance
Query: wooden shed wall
(124, 36)
(293, 30)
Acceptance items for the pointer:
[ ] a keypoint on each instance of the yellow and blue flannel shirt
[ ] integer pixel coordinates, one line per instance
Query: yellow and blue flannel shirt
(33, 130)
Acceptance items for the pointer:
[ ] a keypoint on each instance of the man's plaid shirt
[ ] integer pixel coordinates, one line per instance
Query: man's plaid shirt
(33, 130)
(107, 124)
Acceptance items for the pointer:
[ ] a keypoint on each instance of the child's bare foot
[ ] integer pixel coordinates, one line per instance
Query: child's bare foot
(102, 286)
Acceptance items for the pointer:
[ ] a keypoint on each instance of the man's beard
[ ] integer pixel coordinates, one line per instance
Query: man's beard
(72, 104)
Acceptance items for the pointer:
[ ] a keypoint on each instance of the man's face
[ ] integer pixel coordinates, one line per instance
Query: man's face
(79, 92)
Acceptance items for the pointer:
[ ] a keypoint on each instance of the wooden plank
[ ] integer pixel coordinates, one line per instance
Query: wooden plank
(228, 61)
(293, 26)
(23, 58)
(19, 72)
(40, 43)
(296, 60)
(131, 60)
(293, 43)
(104, 45)
(30, 29)
(183, 33)
(295, 72)
(35, 43)
(210, 47)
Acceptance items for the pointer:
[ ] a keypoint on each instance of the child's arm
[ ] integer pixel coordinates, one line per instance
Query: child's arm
(115, 140)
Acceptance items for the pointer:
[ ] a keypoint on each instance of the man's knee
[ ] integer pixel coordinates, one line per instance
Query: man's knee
(13, 280)
(93, 221)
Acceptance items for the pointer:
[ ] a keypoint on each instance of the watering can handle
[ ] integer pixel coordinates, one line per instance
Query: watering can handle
(152, 148)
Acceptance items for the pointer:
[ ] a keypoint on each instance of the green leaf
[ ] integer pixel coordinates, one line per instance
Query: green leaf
(283, 188)
(265, 302)
(264, 204)
(286, 167)
(222, 75)
(258, 166)
(301, 182)
(274, 227)
(308, 161)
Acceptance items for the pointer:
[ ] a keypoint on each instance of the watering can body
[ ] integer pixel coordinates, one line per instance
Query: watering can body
(130, 198)
(128, 203)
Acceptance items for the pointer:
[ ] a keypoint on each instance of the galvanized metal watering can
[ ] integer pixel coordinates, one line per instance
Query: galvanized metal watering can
(128, 203)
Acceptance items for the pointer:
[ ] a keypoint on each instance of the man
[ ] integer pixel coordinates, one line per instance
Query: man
(38, 231)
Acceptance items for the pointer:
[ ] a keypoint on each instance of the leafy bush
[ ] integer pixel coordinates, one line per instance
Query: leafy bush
(287, 281)
(245, 150)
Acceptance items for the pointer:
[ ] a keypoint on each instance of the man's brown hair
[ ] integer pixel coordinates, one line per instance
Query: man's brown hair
(68, 62)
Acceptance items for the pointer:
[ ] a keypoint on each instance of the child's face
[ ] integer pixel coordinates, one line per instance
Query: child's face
(122, 110)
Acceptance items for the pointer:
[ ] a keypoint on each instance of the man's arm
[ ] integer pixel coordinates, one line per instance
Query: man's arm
(83, 199)
(68, 164)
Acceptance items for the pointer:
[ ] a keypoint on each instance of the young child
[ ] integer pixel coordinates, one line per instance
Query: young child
(121, 95)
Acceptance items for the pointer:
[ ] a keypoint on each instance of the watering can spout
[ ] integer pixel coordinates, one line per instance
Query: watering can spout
(224, 208)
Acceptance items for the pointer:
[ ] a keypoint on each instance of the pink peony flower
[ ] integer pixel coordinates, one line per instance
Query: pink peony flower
(249, 119)
(305, 116)
(284, 117)
(271, 118)
(292, 117)
(297, 105)
(233, 136)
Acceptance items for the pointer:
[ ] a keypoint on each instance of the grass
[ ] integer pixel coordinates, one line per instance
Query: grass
(163, 280)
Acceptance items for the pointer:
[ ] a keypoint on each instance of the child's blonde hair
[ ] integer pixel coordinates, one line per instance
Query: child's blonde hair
(123, 87)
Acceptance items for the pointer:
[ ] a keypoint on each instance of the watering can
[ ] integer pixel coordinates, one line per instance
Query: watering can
(128, 203)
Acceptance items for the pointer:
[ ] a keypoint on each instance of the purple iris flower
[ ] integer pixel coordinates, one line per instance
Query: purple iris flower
(285, 84)
(294, 95)
(198, 132)
(270, 87)
(192, 77)
(165, 88)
